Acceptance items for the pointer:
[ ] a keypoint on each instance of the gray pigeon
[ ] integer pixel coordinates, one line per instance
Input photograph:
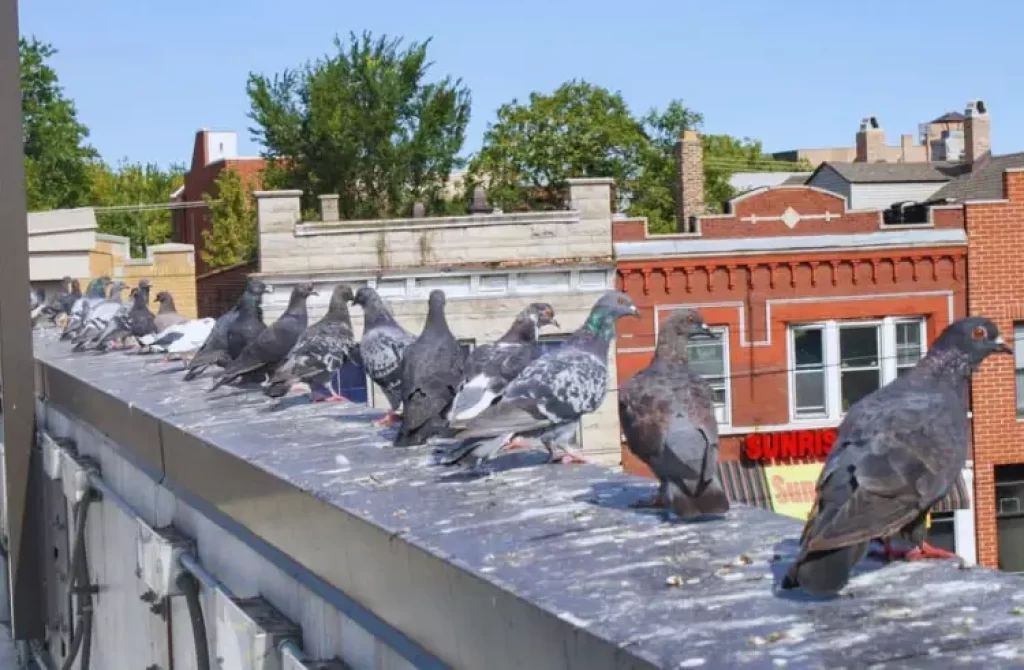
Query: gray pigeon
(100, 318)
(431, 372)
(324, 348)
(167, 315)
(382, 348)
(551, 394)
(271, 346)
(215, 349)
(668, 417)
(95, 293)
(897, 453)
(136, 321)
(491, 367)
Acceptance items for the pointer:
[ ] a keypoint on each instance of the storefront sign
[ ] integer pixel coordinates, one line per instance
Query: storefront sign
(790, 444)
(791, 488)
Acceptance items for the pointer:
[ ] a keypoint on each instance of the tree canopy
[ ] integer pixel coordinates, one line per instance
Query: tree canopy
(363, 122)
(233, 236)
(57, 158)
(583, 130)
(134, 184)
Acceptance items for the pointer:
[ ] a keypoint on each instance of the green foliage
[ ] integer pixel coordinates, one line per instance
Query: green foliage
(233, 236)
(134, 184)
(362, 123)
(580, 130)
(57, 159)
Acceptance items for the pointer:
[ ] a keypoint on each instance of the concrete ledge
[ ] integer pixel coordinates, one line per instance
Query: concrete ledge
(537, 567)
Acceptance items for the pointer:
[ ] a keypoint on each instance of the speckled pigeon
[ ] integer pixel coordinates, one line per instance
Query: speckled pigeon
(167, 315)
(550, 395)
(136, 321)
(99, 317)
(324, 348)
(95, 293)
(667, 414)
(215, 349)
(272, 345)
(491, 367)
(897, 453)
(382, 348)
(431, 372)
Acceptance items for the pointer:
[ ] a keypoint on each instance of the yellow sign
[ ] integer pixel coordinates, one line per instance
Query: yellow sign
(791, 488)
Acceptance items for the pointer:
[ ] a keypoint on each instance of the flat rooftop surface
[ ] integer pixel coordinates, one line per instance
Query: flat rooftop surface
(668, 595)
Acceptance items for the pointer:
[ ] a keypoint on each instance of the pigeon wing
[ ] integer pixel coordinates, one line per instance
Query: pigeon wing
(895, 457)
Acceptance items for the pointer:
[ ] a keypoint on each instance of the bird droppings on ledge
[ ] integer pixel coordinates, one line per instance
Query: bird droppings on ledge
(669, 595)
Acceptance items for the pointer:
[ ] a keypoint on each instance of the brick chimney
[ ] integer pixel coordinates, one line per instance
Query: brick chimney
(870, 141)
(690, 181)
(977, 132)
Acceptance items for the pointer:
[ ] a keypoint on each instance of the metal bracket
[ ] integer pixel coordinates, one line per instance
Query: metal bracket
(158, 551)
(249, 633)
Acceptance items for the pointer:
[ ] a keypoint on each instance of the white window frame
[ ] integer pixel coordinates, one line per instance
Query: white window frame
(1018, 366)
(723, 414)
(831, 362)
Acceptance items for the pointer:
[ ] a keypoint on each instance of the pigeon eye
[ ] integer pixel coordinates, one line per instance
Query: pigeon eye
(980, 333)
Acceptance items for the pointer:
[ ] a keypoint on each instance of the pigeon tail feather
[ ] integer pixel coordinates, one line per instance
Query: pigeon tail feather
(824, 572)
(712, 500)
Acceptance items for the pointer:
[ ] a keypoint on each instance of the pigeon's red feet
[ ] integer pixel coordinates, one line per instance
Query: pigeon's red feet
(331, 398)
(517, 443)
(926, 551)
(389, 418)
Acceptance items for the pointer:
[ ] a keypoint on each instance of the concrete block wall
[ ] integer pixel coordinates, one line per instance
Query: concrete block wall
(170, 267)
(287, 245)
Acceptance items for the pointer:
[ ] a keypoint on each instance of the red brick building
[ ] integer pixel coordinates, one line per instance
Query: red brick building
(816, 305)
(212, 153)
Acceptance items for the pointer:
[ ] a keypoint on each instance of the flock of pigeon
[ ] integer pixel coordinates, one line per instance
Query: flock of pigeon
(897, 453)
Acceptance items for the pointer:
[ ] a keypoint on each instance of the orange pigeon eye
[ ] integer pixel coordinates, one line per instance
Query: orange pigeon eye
(980, 333)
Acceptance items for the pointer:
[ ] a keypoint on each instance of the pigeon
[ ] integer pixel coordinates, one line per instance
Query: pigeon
(100, 317)
(62, 302)
(550, 395)
(95, 293)
(270, 347)
(215, 349)
(136, 321)
(36, 303)
(431, 372)
(324, 348)
(179, 338)
(898, 451)
(491, 367)
(382, 348)
(167, 315)
(667, 415)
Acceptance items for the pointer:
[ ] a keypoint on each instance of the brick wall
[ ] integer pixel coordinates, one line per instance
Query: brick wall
(170, 267)
(996, 253)
(757, 296)
(218, 290)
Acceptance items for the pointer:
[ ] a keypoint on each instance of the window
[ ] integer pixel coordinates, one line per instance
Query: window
(350, 381)
(551, 342)
(1009, 487)
(709, 358)
(836, 363)
(1018, 356)
(467, 346)
(942, 533)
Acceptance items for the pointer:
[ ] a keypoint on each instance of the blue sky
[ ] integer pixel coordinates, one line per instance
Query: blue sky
(146, 75)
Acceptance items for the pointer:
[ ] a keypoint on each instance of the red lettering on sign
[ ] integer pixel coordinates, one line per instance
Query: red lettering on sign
(814, 444)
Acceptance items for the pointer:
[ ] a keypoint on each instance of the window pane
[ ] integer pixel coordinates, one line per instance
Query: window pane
(902, 371)
(858, 346)
(717, 391)
(808, 347)
(1018, 342)
(942, 533)
(908, 343)
(707, 358)
(858, 383)
(1020, 391)
(810, 392)
(551, 343)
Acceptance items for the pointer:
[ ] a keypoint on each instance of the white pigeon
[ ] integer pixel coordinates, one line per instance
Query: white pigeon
(179, 338)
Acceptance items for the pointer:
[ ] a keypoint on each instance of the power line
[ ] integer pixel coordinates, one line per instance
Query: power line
(158, 206)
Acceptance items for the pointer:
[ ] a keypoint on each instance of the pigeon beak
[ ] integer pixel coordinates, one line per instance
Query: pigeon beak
(1002, 347)
(707, 332)
(633, 311)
